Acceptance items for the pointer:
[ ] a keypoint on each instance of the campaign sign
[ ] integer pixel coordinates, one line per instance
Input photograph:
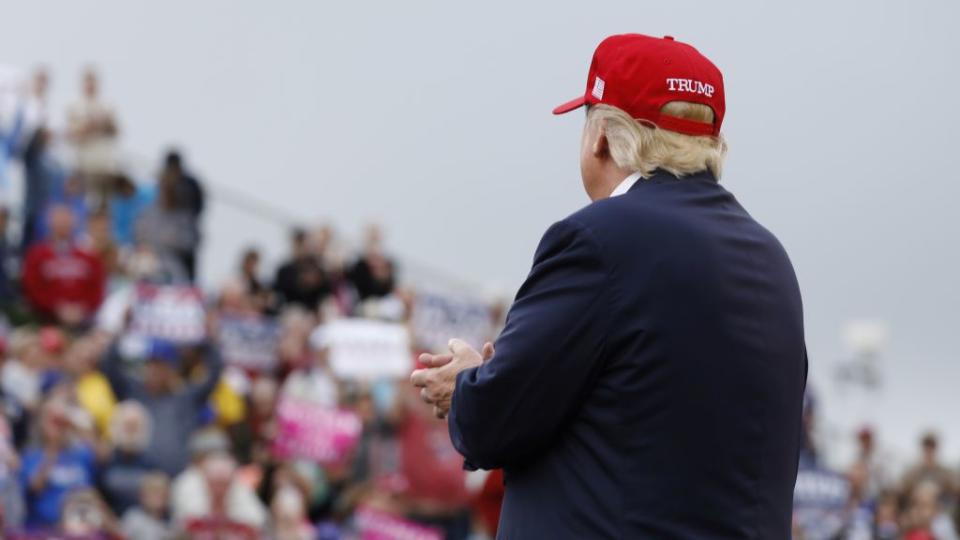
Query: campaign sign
(820, 500)
(437, 318)
(171, 312)
(310, 431)
(249, 343)
(373, 524)
(366, 349)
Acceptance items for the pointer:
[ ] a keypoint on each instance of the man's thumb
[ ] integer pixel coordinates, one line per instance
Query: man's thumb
(487, 351)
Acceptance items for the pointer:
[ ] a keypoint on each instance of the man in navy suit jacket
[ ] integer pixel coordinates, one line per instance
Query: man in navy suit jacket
(648, 383)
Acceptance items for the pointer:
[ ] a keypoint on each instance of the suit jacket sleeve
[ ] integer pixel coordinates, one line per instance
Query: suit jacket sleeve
(516, 404)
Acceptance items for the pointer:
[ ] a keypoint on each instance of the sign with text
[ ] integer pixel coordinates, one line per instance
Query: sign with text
(171, 312)
(310, 431)
(366, 349)
(373, 524)
(437, 318)
(249, 343)
(820, 499)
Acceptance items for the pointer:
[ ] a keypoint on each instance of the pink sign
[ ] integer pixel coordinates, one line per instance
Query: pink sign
(375, 524)
(310, 431)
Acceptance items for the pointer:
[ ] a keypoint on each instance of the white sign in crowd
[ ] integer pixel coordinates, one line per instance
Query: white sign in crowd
(367, 349)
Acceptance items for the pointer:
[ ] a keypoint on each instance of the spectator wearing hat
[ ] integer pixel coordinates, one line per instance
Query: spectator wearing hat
(173, 405)
(63, 282)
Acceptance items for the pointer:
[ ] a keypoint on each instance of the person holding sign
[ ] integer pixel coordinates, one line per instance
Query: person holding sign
(649, 380)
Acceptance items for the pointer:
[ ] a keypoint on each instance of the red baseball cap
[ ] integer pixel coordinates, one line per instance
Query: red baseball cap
(640, 74)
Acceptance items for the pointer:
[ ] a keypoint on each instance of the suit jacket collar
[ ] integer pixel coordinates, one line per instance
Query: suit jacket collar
(661, 176)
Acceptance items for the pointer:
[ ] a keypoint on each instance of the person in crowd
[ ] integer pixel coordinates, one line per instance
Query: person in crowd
(433, 468)
(45, 178)
(92, 130)
(11, 128)
(255, 289)
(190, 198)
(55, 467)
(315, 382)
(31, 360)
(174, 408)
(189, 190)
(8, 295)
(925, 516)
(127, 203)
(373, 274)
(252, 437)
(36, 109)
(289, 516)
(169, 228)
(150, 519)
(886, 516)
(301, 280)
(99, 241)
(235, 300)
(45, 181)
(867, 461)
(294, 350)
(216, 492)
(63, 282)
(930, 469)
(91, 387)
(11, 493)
(122, 474)
(86, 515)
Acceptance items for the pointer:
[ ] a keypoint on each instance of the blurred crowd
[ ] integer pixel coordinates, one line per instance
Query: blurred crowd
(876, 496)
(112, 432)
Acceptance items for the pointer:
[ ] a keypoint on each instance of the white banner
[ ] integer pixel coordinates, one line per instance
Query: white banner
(366, 349)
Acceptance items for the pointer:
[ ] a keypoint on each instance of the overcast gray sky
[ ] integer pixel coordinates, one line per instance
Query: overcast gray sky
(433, 118)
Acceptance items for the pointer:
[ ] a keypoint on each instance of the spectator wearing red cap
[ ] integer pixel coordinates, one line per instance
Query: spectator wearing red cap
(62, 281)
(649, 380)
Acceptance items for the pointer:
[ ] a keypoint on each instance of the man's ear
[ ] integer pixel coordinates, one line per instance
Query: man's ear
(601, 148)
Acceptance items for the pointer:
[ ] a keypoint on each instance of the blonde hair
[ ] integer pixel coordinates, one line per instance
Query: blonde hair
(639, 146)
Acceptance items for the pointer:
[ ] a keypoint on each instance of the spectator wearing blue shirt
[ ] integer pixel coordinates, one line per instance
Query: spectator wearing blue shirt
(126, 204)
(55, 468)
